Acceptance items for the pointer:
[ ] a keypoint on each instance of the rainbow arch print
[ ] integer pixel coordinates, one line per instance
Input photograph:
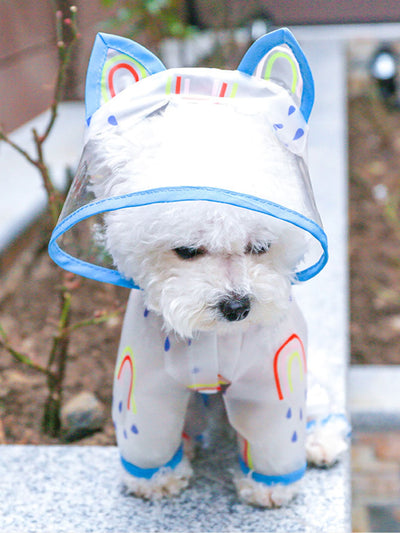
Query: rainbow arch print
(127, 360)
(128, 70)
(247, 455)
(177, 85)
(183, 85)
(224, 89)
(209, 388)
(281, 58)
(291, 353)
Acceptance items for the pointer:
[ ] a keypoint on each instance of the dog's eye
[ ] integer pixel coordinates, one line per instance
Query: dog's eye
(188, 253)
(257, 248)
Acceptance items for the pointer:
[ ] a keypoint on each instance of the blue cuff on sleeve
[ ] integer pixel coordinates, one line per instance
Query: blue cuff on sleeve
(148, 473)
(284, 479)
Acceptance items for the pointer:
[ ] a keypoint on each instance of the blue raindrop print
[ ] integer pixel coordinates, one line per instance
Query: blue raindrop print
(291, 110)
(146, 313)
(120, 407)
(112, 120)
(294, 437)
(134, 429)
(299, 133)
(289, 413)
(167, 345)
(278, 126)
(125, 434)
(301, 413)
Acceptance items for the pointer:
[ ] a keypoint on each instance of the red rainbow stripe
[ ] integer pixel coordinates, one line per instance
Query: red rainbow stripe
(128, 360)
(276, 360)
(112, 72)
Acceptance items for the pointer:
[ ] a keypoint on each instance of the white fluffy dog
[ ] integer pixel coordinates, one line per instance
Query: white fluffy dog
(203, 267)
(215, 312)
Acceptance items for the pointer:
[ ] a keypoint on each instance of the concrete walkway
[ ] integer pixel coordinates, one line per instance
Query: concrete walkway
(22, 195)
(57, 489)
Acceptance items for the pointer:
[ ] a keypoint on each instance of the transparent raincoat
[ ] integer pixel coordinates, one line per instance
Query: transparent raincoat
(262, 371)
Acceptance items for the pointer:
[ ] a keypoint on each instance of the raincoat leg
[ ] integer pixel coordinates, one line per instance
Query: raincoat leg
(148, 405)
(270, 419)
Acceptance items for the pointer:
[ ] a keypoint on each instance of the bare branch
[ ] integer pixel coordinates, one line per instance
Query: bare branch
(22, 358)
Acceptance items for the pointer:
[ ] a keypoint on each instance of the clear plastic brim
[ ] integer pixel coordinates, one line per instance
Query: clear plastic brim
(77, 244)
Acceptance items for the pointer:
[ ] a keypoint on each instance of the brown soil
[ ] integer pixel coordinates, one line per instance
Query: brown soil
(29, 316)
(29, 307)
(374, 226)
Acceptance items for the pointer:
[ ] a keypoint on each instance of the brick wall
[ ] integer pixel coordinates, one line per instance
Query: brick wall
(27, 60)
(28, 56)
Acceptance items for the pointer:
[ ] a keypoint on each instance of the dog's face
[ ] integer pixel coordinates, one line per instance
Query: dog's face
(205, 266)
(202, 265)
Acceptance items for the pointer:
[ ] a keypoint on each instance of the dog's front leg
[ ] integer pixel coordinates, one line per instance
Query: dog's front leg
(149, 408)
(271, 434)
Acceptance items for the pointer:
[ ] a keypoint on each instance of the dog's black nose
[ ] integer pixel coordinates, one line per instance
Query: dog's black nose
(235, 307)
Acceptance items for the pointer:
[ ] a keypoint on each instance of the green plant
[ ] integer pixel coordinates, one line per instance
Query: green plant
(148, 20)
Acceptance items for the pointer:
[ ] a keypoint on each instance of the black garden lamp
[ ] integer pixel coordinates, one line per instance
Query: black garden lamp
(383, 70)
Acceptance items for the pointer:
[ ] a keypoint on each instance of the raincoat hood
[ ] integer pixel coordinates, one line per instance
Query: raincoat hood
(127, 86)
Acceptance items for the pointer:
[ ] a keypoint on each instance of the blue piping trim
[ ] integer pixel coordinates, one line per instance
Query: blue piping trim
(276, 38)
(284, 479)
(171, 195)
(311, 424)
(148, 473)
(103, 42)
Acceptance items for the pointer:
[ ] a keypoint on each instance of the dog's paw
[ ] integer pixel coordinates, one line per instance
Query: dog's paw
(166, 482)
(262, 495)
(326, 442)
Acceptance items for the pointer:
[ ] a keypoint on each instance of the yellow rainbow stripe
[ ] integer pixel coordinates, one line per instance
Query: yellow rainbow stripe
(247, 455)
(210, 386)
(294, 355)
(270, 64)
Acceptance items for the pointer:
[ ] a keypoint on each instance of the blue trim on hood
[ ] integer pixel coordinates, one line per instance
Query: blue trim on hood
(172, 195)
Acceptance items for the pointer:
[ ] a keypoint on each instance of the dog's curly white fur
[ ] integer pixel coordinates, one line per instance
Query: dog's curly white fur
(142, 241)
(165, 482)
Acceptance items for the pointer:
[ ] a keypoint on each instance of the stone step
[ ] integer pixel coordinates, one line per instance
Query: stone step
(22, 195)
(60, 489)
(373, 397)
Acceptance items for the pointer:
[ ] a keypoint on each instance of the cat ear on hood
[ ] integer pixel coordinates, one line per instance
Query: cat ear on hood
(115, 64)
(277, 56)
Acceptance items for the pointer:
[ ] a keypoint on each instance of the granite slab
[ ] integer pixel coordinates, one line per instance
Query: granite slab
(64, 489)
